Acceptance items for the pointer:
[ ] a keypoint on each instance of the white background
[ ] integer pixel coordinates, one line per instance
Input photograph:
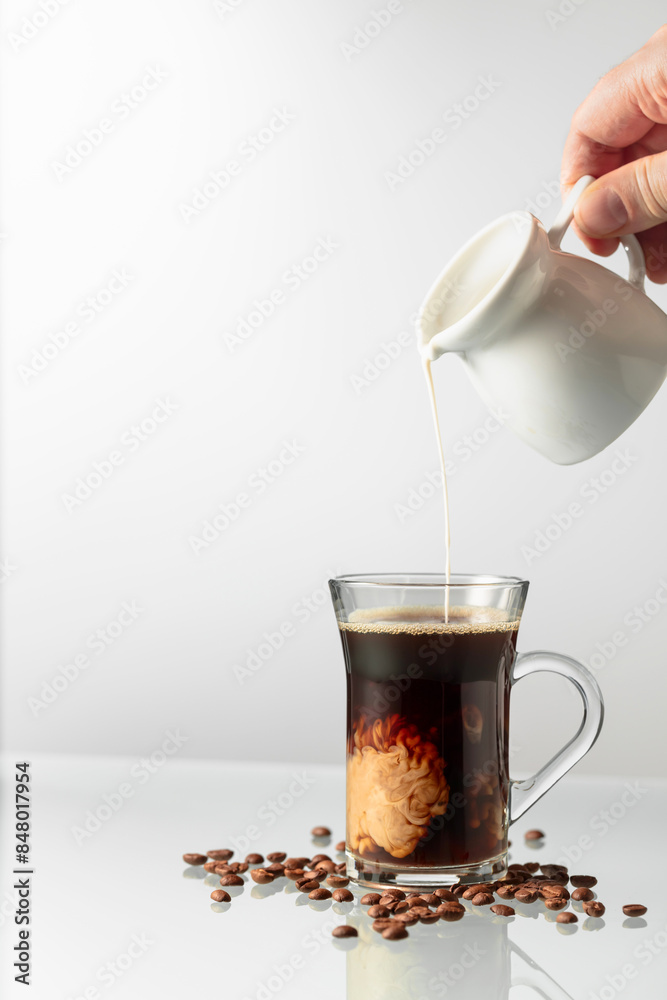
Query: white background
(324, 177)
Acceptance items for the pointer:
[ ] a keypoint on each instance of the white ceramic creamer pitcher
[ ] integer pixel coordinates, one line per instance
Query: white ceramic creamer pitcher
(571, 352)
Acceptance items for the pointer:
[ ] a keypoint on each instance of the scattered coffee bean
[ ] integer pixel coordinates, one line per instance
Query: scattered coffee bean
(525, 895)
(513, 878)
(551, 870)
(380, 924)
(254, 859)
(533, 835)
(634, 910)
(450, 913)
(194, 859)
(482, 899)
(532, 867)
(457, 889)
(320, 893)
(294, 873)
(582, 895)
(398, 906)
(320, 831)
(340, 846)
(314, 860)
(307, 885)
(444, 894)
(431, 899)
(293, 862)
(549, 891)
(220, 896)
(328, 866)
(407, 918)
(594, 908)
(555, 903)
(319, 874)
(236, 867)
(370, 899)
(342, 896)
(337, 881)
(583, 881)
(432, 918)
(341, 868)
(395, 892)
(506, 891)
(275, 856)
(567, 917)
(420, 911)
(276, 869)
(210, 866)
(261, 876)
(501, 910)
(344, 931)
(378, 910)
(472, 890)
(224, 854)
(231, 879)
(394, 931)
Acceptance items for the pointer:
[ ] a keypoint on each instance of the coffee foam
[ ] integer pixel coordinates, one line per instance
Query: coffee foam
(427, 619)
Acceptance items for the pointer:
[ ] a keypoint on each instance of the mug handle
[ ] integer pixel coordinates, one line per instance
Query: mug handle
(535, 978)
(631, 245)
(525, 793)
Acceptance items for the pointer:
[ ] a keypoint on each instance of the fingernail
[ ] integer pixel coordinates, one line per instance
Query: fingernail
(601, 212)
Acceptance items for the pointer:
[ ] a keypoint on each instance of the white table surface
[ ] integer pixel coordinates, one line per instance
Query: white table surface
(127, 882)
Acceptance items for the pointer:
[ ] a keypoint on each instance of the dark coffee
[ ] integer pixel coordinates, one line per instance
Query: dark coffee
(427, 723)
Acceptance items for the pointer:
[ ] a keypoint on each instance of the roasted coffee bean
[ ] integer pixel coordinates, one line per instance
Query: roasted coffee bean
(431, 899)
(254, 859)
(420, 911)
(634, 909)
(210, 866)
(314, 860)
(552, 869)
(336, 882)
(532, 867)
(231, 879)
(378, 910)
(295, 862)
(450, 913)
(340, 846)
(344, 931)
(276, 869)
(320, 893)
(394, 931)
(482, 899)
(294, 873)
(276, 856)
(235, 867)
(501, 910)
(583, 881)
(395, 892)
(555, 903)
(533, 835)
(506, 891)
(444, 894)
(407, 918)
(307, 885)
(370, 899)
(549, 891)
(582, 895)
(472, 890)
(380, 924)
(328, 866)
(457, 889)
(341, 868)
(220, 896)
(224, 854)
(567, 917)
(261, 876)
(399, 906)
(513, 878)
(342, 896)
(432, 918)
(418, 900)
(525, 895)
(320, 831)
(319, 874)
(194, 859)
(594, 908)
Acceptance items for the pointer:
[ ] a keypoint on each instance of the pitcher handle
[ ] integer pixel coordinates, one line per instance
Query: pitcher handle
(631, 245)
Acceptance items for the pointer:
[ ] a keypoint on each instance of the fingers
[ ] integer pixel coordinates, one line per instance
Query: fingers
(630, 199)
(654, 245)
(621, 110)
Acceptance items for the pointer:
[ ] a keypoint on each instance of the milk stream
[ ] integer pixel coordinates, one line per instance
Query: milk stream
(434, 409)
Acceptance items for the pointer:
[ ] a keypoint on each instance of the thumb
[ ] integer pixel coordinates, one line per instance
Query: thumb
(627, 200)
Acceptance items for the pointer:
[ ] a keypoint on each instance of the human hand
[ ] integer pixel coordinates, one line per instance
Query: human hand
(619, 135)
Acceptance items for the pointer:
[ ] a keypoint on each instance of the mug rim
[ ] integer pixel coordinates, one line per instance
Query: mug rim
(428, 580)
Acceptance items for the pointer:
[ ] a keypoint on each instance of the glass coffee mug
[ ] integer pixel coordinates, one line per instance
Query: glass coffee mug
(430, 667)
